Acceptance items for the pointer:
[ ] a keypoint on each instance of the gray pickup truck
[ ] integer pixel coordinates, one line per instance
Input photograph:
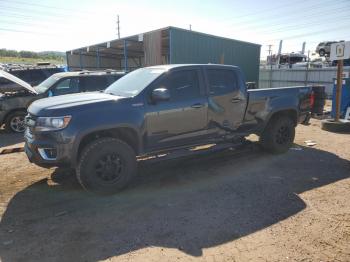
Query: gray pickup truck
(158, 110)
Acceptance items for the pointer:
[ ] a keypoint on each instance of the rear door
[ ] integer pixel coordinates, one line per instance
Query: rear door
(226, 101)
(182, 120)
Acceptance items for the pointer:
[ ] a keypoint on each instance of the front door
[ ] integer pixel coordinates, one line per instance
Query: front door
(181, 120)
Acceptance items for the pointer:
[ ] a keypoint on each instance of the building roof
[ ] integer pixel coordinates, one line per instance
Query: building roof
(136, 38)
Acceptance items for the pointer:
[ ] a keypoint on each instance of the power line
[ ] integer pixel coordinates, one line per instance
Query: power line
(19, 11)
(52, 7)
(25, 31)
(319, 5)
(266, 22)
(300, 26)
(313, 33)
(269, 9)
(240, 26)
(268, 29)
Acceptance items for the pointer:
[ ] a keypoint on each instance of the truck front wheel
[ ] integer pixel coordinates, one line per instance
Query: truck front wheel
(278, 135)
(106, 166)
(15, 122)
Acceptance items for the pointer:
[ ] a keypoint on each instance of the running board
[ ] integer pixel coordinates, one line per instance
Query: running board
(244, 145)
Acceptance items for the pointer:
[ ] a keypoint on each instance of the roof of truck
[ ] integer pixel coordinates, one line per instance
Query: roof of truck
(167, 67)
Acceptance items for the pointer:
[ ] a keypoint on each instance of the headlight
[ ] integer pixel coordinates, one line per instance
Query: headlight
(52, 123)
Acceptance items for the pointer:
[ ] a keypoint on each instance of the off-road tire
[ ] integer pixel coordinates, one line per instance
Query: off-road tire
(94, 158)
(9, 119)
(278, 135)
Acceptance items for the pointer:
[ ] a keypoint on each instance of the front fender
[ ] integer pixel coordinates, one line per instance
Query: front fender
(103, 120)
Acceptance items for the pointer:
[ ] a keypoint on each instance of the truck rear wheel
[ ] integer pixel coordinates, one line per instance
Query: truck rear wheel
(278, 135)
(106, 166)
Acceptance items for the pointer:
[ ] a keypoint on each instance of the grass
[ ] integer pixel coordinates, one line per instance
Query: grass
(20, 60)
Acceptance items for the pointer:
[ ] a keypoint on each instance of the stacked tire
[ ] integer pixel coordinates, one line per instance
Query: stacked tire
(319, 96)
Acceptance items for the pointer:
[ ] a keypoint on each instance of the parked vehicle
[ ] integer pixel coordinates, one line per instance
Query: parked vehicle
(286, 60)
(324, 48)
(158, 110)
(32, 74)
(16, 98)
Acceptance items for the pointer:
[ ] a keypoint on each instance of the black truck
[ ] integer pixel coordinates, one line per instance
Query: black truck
(158, 110)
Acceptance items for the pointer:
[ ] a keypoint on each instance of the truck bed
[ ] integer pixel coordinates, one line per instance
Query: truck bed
(262, 103)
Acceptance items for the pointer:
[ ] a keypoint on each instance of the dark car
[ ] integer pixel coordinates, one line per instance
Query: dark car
(32, 74)
(14, 101)
(156, 111)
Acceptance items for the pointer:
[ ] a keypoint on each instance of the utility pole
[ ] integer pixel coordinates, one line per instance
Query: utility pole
(338, 90)
(270, 56)
(279, 54)
(303, 48)
(190, 27)
(118, 28)
(307, 67)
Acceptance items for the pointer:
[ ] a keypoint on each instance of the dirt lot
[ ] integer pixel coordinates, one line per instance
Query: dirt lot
(249, 206)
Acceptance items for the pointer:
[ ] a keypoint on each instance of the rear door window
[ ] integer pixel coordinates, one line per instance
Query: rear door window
(221, 82)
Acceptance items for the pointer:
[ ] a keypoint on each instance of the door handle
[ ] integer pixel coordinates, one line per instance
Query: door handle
(236, 100)
(198, 105)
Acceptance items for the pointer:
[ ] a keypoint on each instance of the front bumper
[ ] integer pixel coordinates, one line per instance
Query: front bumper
(46, 150)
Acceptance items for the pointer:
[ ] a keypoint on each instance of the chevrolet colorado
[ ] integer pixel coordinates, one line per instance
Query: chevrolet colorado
(156, 110)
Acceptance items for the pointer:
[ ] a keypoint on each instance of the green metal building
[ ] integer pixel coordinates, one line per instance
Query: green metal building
(169, 45)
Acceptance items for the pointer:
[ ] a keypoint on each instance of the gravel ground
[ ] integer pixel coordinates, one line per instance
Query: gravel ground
(228, 206)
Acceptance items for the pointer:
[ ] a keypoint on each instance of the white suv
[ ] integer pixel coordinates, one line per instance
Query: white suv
(324, 48)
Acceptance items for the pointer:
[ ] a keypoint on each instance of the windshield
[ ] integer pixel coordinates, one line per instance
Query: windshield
(133, 83)
(46, 84)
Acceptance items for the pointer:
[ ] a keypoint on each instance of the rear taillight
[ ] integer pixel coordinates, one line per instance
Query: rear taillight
(312, 99)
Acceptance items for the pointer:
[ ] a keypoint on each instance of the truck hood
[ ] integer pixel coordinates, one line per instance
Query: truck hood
(18, 81)
(64, 104)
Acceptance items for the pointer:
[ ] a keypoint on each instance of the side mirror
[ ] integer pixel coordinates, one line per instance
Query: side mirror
(160, 94)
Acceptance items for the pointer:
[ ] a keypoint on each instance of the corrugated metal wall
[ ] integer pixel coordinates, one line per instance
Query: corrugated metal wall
(153, 48)
(193, 47)
(89, 62)
(299, 76)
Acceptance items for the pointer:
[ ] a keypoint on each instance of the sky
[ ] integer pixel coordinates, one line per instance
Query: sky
(63, 25)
